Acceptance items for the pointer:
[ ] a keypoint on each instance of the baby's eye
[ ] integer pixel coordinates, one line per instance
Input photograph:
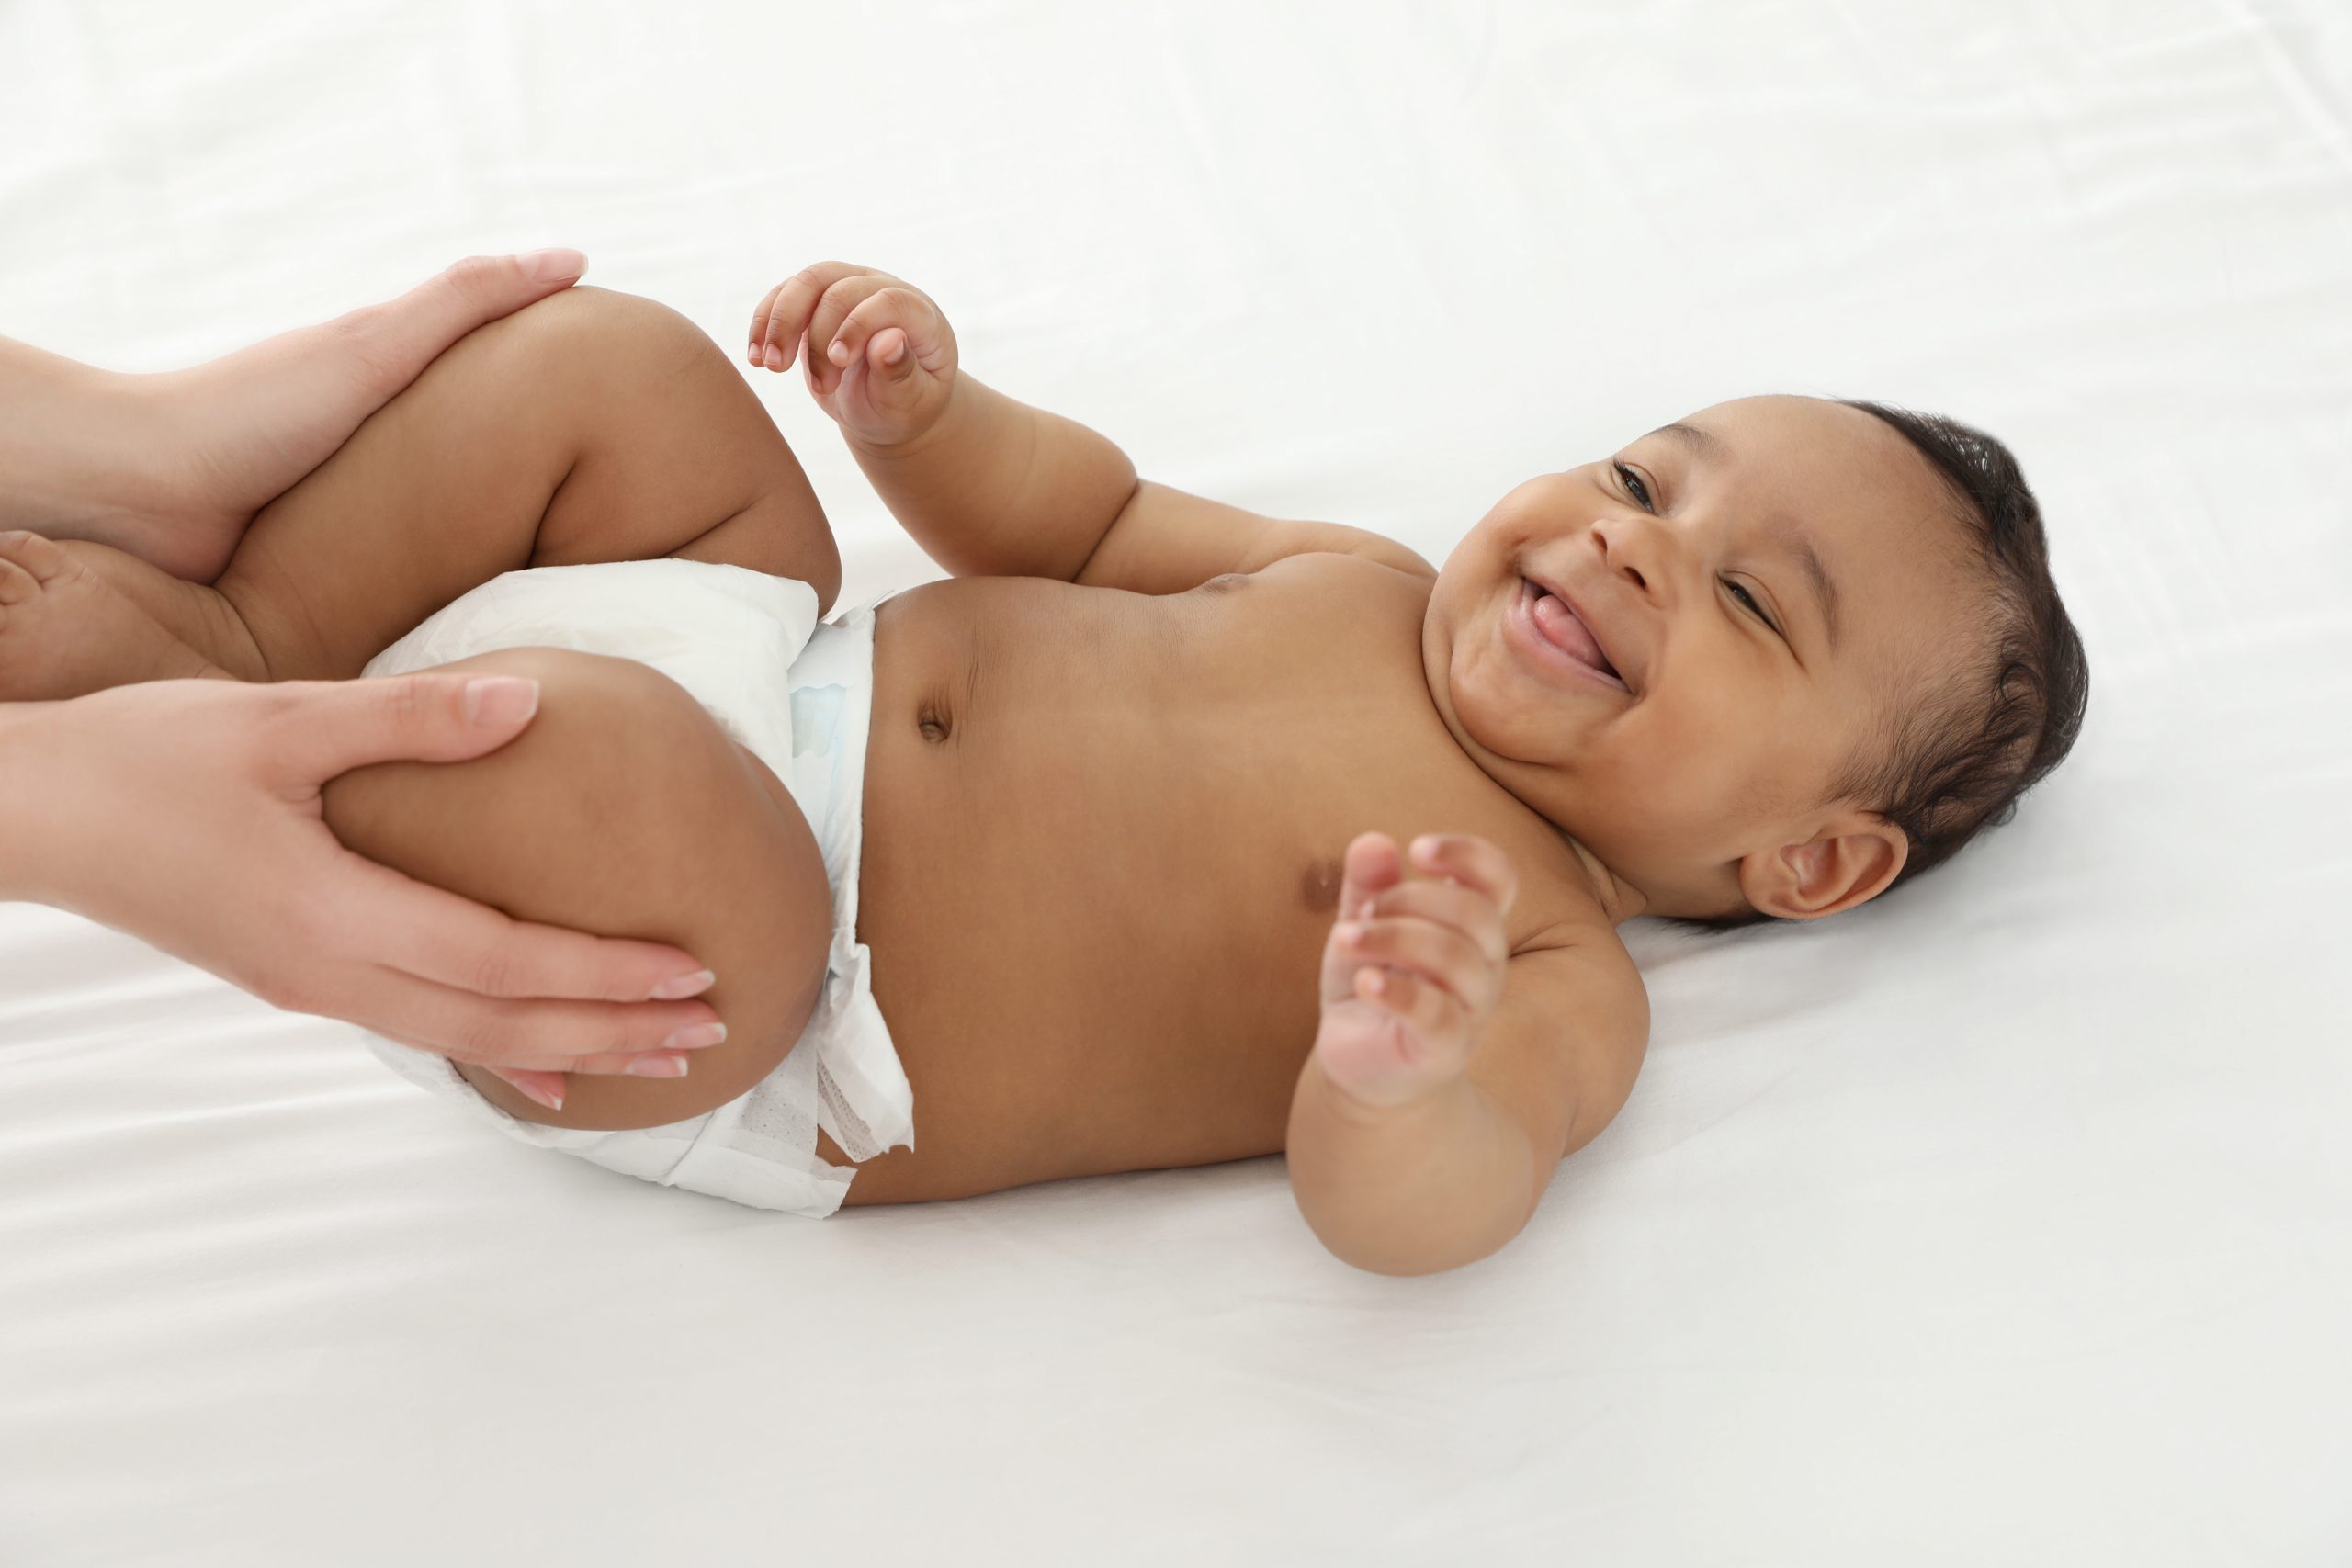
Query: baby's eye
(1745, 597)
(1632, 481)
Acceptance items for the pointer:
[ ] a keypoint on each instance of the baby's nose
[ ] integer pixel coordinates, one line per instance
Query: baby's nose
(1612, 535)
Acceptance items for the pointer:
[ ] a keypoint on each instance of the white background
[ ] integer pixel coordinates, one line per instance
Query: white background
(2009, 1222)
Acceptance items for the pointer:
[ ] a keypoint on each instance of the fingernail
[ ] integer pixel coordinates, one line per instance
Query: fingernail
(1378, 983)
(550, 265)
(684, 986)
(694, 1036)
(658, 1067)
(500, 699)
(754, 354)
(1349, 930)
(545, 1096)
(839, 353)
(774, 357)
(896, 352)
(1363, 911)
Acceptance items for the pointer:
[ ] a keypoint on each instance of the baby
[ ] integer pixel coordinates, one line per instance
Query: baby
(1082, 821)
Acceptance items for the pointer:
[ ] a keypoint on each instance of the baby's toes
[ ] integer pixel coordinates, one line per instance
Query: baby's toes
(35, 557)
(17, 585)
(27, 560)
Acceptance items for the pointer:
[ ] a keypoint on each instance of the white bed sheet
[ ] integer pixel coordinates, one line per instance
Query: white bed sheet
(2010, 1222)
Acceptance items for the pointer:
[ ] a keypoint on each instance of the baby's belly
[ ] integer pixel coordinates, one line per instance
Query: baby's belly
(1097, 873)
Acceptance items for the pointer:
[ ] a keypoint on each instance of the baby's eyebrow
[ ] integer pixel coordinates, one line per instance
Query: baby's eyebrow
(1799, 548)
(1706, 446)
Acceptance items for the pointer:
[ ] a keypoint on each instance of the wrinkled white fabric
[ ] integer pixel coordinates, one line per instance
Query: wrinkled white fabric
(2007, 1223)
(797, 694)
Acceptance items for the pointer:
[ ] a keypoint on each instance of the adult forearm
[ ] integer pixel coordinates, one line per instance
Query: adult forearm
(67, 433)
(1416, 1189)
(24, 743)
(998, 489)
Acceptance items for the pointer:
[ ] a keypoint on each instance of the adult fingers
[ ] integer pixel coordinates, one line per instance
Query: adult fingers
(545, 1087)
(335, 726)
(555, 1080)
(377, 914)
(400, 338)
(532, 1035)
(328, 728)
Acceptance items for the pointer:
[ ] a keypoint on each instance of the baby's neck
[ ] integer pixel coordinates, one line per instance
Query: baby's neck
(1620, 899)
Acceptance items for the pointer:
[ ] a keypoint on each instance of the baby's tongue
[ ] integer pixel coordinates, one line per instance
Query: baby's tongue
(1558, 623)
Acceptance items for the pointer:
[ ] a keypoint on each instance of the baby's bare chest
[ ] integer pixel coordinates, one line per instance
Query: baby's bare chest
(1101, 850)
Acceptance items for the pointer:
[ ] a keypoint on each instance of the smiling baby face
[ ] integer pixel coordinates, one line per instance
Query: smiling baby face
(1672, 653)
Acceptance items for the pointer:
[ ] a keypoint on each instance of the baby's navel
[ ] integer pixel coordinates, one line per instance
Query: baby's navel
(1318, 885)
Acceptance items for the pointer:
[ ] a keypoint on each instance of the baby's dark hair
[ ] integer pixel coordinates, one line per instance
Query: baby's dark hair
(1955, 762)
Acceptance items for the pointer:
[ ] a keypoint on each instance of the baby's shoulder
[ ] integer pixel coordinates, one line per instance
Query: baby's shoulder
(1560, 901)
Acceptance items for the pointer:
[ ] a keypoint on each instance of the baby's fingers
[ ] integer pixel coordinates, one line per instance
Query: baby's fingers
(918, 329)
(1443, 958)
(1369, 867)
(833, 308)
(777, 323)
(1471, 860)
(1436, 1027)
(760, 316)
(1392, 1042)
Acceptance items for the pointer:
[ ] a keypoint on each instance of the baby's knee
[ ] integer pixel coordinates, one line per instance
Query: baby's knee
(613, 740)
(610, 738)
(622, 809)
(599, 330)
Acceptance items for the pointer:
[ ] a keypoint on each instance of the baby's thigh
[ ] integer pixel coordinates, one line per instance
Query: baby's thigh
(675, 453)
(622, 809)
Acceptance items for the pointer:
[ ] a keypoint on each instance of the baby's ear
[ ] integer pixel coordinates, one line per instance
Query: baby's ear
(1850, 860)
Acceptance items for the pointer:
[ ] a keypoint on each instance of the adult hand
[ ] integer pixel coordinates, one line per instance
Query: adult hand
(186, 813)
(172, 467)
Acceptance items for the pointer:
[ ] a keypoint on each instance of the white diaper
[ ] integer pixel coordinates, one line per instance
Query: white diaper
(797, 694)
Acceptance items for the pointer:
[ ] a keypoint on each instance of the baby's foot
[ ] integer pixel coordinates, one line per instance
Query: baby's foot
(65, 631)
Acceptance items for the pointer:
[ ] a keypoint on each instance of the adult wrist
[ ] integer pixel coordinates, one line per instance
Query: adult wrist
(27, 741)
(69, 434)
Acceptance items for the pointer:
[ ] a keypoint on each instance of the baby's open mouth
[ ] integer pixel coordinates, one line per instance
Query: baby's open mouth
(1556, 624)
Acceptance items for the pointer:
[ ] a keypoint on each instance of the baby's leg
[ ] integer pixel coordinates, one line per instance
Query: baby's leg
(590, 426)
(623, 809)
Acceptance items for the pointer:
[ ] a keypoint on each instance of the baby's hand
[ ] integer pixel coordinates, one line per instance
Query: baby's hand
(1414, 969)
(881, 358)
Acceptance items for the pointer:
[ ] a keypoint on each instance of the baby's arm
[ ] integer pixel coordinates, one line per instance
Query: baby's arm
(1442, 1095)
(990, 487)
(986, 485)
